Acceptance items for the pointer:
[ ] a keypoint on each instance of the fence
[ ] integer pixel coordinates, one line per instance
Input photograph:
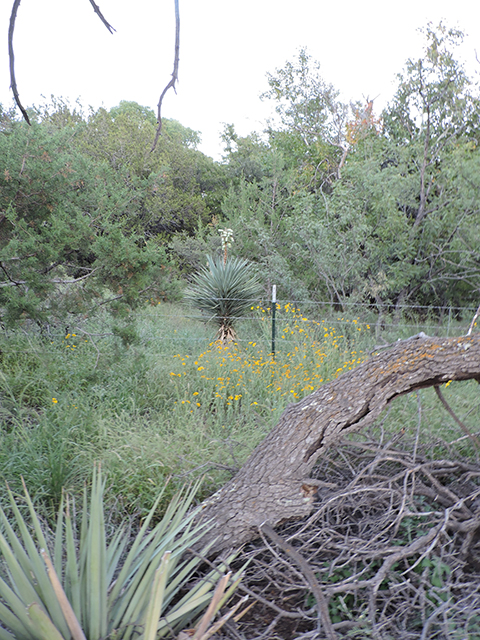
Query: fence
(388, 325)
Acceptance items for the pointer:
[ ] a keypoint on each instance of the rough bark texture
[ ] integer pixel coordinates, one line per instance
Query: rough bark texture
(274, 484)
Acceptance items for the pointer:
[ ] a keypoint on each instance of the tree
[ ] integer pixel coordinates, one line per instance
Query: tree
(399, 223)
(312, 119)
(174, 188)
(66, 242)
(274, 483)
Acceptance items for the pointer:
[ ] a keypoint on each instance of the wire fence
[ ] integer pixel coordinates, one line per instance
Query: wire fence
(382, 325)
(440, 320)
(184, 328)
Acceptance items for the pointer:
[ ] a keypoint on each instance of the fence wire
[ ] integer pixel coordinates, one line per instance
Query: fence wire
(383, 327)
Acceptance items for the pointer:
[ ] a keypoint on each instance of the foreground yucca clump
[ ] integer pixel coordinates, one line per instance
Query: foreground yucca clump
(95, 588)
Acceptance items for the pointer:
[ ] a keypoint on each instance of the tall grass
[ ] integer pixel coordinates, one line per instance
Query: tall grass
(171, 402)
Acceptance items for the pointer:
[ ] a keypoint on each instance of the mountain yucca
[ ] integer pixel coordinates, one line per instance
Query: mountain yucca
(96, 587)
(223, 291)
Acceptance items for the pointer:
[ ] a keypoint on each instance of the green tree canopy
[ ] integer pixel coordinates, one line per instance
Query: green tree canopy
(66, 238)
(346, 206)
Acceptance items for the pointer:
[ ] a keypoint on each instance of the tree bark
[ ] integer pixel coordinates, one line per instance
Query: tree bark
(274, 484)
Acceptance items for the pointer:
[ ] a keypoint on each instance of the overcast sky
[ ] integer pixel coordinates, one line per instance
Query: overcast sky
(226, 49)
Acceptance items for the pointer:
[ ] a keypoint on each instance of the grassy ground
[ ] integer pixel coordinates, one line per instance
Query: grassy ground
(164, 400)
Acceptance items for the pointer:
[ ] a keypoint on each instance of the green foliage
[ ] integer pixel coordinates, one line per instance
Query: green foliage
(86, 208)
(174, 405)
(312, 120)
(173, 188)
(344, 206)
(108, 585)
(65, 240)
(148, 412)
(224, 290)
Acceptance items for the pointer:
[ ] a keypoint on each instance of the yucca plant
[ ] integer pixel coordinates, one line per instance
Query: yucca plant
(91, 586)
(224, 291)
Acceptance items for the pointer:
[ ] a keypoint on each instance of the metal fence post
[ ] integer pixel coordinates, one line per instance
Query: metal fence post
(274, 311)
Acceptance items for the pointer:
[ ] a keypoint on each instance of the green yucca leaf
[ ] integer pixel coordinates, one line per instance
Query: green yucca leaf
(186, 569)
(199, 595)
(96, 568)
(155, 604)
(42, 622)
(114, 553)
(20, 579)
(58, 547)
(140, 541)
(14, 616)
(140, 564)
(82, 562)
(72, 578)
(179, 616)
(4, 635)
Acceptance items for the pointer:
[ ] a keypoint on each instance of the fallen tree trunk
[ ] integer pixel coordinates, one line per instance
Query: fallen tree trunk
(274, 484)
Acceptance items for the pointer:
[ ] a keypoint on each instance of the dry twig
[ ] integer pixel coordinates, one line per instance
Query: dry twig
(322, 602)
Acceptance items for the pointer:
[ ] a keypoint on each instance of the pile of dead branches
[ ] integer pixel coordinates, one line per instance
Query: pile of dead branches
(392, 550)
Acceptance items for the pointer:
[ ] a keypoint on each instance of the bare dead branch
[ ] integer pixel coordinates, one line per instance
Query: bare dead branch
(11, 282)
(387, 549)
(472, 324)
(16, 283)
(96, 8)
(11, 55)
(302, 564)
(463, 427)
(174, 78)
(274, 484)
(268, 603)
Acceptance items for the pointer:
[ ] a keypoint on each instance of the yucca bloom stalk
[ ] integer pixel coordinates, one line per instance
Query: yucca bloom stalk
(224, 291)
(95, 587)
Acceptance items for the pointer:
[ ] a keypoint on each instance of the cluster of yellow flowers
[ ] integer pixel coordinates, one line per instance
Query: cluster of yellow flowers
(234, 374)
(70, 346)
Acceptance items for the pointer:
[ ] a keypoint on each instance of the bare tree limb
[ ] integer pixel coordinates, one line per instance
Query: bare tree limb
(463, 427)
(10, 282)
(11, 55)
(472, 324)
(96, 8)
(274, 484)
(174, 78)
(17, 283)
(390, 522)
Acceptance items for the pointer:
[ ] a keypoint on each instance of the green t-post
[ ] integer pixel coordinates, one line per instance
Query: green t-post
(274, 311)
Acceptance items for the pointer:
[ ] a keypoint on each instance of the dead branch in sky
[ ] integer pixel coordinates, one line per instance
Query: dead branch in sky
(96, 8)
(174, 77)
(13, 82)
(11, 54)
